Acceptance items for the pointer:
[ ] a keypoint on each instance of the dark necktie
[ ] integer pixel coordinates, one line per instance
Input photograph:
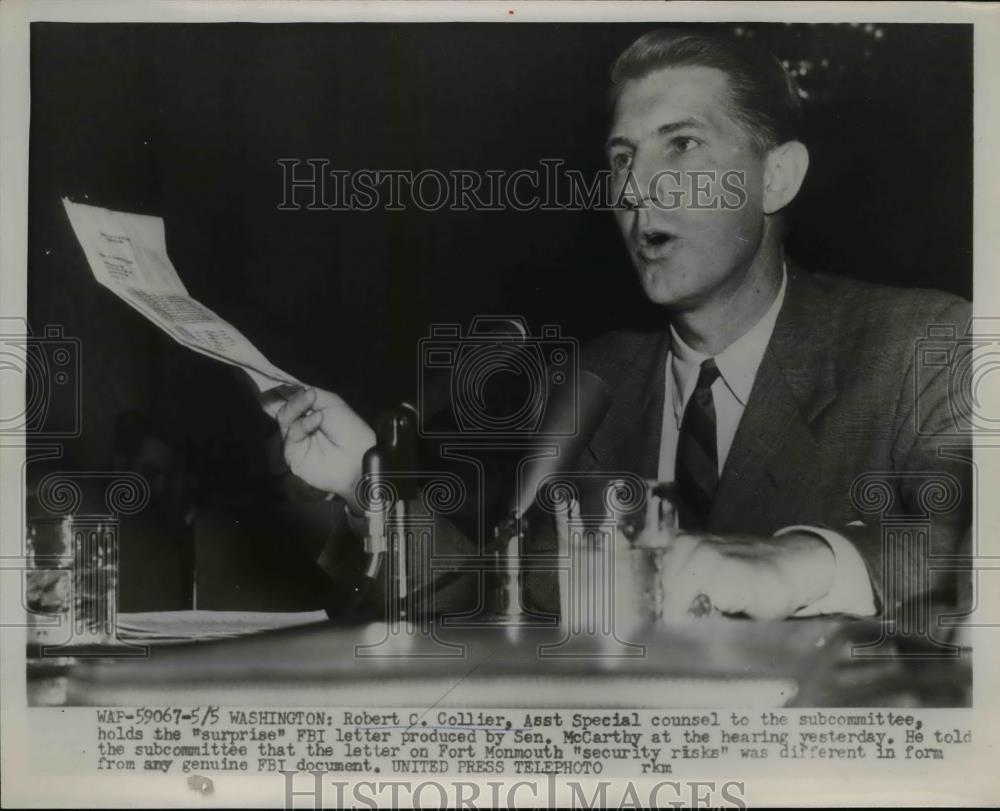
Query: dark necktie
(697, 468)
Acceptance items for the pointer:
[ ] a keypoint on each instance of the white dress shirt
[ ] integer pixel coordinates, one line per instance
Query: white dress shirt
(851, 592)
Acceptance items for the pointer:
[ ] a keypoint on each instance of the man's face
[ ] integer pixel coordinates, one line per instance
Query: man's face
(679, 120)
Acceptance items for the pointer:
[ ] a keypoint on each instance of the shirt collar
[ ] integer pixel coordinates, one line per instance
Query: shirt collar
(738, 363)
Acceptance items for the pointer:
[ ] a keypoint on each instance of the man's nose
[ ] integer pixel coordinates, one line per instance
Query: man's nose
(643, 230)
(645, 167)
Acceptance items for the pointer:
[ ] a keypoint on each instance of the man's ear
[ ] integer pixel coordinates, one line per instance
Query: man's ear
(785, 168)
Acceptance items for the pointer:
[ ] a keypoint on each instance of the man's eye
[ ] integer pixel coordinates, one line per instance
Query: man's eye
(621, 161)
(684, 143)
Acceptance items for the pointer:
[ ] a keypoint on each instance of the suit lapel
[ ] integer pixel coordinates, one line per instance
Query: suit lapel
(629, 437)
(770, 463)
(773, 460)
(649, 420)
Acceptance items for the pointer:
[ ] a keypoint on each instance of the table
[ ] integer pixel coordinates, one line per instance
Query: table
(708, 662)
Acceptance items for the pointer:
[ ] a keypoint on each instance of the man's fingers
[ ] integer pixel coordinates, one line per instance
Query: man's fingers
(678, 555)
(271, 406)
(683, 573)
(271, 400)
(729, 583)
(294, 408)
(750, 586)
(687, 578)
(303, 427)
(734, 584)
(771, 599)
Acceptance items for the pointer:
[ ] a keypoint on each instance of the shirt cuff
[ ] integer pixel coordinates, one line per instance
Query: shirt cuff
(357, 523)
(851, 592)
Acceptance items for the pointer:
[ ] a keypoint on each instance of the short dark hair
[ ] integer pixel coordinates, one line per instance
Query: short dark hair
(765, 99)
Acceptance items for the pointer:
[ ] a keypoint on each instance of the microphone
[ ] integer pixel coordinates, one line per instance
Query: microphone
(437, 396)
(566, 428)
(574, 421)
(568, 425)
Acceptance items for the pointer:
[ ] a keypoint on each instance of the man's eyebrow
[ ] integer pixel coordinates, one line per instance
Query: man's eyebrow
(683, 124)
(618, 140)
(665, 129)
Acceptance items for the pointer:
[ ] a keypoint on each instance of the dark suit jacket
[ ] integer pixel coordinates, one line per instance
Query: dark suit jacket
(848, 426)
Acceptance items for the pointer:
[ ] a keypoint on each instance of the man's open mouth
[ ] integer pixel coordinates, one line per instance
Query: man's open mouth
(654, 244)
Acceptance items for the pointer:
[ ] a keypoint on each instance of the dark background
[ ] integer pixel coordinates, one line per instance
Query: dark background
(187, 122)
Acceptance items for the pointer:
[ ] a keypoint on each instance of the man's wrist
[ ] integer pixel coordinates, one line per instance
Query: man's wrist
(851, 592)
(811, 566)
(350, 497)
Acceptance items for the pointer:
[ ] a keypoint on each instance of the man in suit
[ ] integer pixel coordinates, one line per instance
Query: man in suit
(809, 380)
(770, 394)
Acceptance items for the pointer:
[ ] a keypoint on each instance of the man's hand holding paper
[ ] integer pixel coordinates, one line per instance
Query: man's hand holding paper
(324, 441)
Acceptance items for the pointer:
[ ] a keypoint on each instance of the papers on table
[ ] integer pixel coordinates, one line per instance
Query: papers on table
(128, 254)
(184, 626)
